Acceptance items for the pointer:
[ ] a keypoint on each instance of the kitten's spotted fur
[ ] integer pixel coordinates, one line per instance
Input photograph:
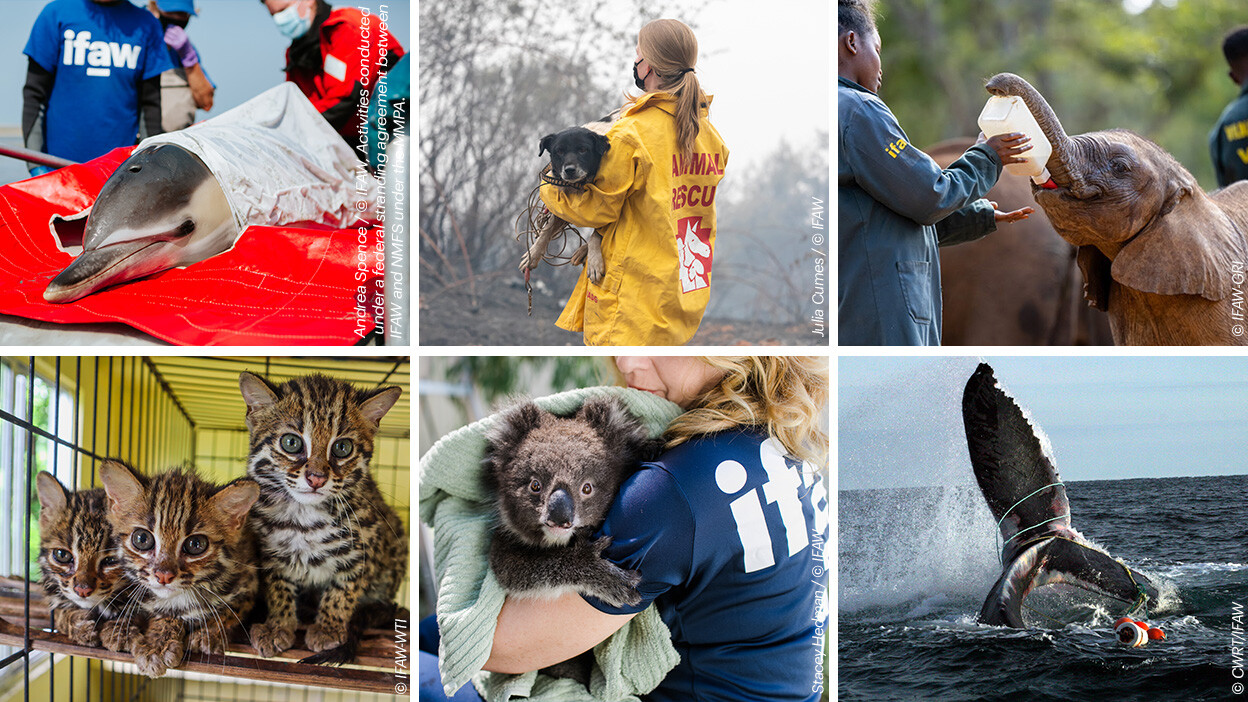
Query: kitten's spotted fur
(325, 530)
(188, 547)
(82, 573)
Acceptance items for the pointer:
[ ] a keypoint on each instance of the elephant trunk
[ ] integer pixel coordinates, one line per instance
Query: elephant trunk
(1062, 163)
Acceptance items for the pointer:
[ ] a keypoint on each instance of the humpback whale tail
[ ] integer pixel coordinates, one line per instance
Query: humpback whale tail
(1017, 474)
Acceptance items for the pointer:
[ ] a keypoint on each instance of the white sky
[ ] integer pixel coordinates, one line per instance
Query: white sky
(1108, 417)
(769, 66)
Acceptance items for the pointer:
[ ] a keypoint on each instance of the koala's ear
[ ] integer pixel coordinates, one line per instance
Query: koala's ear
(513, 426)
(614, 423)
(546, 144)
(601, 145)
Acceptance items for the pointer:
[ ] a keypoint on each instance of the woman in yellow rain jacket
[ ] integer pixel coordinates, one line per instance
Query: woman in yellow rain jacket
(653, 202)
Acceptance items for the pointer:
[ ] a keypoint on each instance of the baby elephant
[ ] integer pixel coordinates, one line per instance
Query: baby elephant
(1161, 257)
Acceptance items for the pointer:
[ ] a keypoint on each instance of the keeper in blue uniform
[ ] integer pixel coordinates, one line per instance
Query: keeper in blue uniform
(1228, 142)
(897, 205)
(94, 69)
(728, 529)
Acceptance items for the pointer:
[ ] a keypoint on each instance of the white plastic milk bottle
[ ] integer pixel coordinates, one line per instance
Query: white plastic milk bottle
(1010, 114)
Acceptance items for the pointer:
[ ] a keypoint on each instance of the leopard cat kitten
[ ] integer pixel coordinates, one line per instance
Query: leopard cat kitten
(82, 574)
(188, 547)
(326, 533)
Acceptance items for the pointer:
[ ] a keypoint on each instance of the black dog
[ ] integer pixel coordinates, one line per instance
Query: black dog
(575, 154)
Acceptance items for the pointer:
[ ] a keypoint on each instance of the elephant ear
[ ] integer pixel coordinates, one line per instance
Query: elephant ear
(1186, 250)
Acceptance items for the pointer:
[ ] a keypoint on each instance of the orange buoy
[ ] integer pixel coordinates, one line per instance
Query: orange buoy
(1142, 625)
(1155, 634)
(1130, 634)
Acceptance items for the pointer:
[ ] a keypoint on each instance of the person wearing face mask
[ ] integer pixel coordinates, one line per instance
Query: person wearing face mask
(653, 202)
(335, 57)
(187, 86)
(92, 79)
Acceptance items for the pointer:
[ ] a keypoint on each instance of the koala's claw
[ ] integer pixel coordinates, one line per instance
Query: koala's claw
(616, 586)
(620, 586)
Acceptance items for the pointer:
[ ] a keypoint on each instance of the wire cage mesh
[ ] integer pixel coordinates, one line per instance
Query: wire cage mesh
(65, 415)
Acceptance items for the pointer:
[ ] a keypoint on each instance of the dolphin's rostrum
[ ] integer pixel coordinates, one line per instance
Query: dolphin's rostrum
(1018, 477)
(162, 208)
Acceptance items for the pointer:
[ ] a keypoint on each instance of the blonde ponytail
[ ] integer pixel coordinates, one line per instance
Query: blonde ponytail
(671, 50)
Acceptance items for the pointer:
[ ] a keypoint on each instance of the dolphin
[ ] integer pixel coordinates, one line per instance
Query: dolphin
(1016, 472)
(161, 209)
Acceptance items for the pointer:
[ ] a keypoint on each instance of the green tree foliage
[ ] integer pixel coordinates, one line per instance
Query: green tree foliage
(1159, 72)
(499, 376)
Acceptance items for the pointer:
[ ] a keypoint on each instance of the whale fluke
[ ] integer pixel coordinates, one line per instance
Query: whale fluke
(1018, 477)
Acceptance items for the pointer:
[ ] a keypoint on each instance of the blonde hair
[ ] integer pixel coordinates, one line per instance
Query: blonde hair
(784, 395)
(671, 49)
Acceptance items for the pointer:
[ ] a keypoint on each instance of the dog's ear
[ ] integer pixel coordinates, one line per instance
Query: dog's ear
(601, 144)
(545, 144)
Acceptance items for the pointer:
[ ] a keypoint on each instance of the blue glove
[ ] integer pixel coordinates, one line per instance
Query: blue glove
(40, 170)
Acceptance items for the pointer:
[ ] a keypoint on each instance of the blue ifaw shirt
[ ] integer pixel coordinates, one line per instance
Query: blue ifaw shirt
(729, 536)
(896, 207)
(100, 54)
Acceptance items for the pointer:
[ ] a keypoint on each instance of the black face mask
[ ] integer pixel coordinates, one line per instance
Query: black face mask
(638, 80)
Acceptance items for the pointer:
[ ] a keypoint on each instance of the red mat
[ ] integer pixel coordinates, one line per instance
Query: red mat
(278, 285)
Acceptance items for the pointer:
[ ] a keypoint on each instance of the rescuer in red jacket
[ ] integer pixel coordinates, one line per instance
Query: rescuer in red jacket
(335, 57)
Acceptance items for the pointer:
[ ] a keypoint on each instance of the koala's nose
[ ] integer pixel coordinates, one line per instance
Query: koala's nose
(559, 509)
(83, 589)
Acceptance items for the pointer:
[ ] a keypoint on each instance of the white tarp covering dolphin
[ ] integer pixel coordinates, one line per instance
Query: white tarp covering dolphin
(272, 161)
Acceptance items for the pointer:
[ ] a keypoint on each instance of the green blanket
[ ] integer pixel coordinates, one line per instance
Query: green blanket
(453, 501)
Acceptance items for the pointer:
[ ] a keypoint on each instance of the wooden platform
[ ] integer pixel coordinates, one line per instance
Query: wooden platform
(375, 670)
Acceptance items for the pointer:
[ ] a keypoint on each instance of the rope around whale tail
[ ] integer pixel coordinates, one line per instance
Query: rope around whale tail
(1141, 594)
(535, 220)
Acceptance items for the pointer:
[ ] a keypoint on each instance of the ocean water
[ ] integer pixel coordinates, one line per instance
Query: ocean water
(916, 564)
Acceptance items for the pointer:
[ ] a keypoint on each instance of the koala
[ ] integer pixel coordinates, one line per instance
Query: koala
(554, 479)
